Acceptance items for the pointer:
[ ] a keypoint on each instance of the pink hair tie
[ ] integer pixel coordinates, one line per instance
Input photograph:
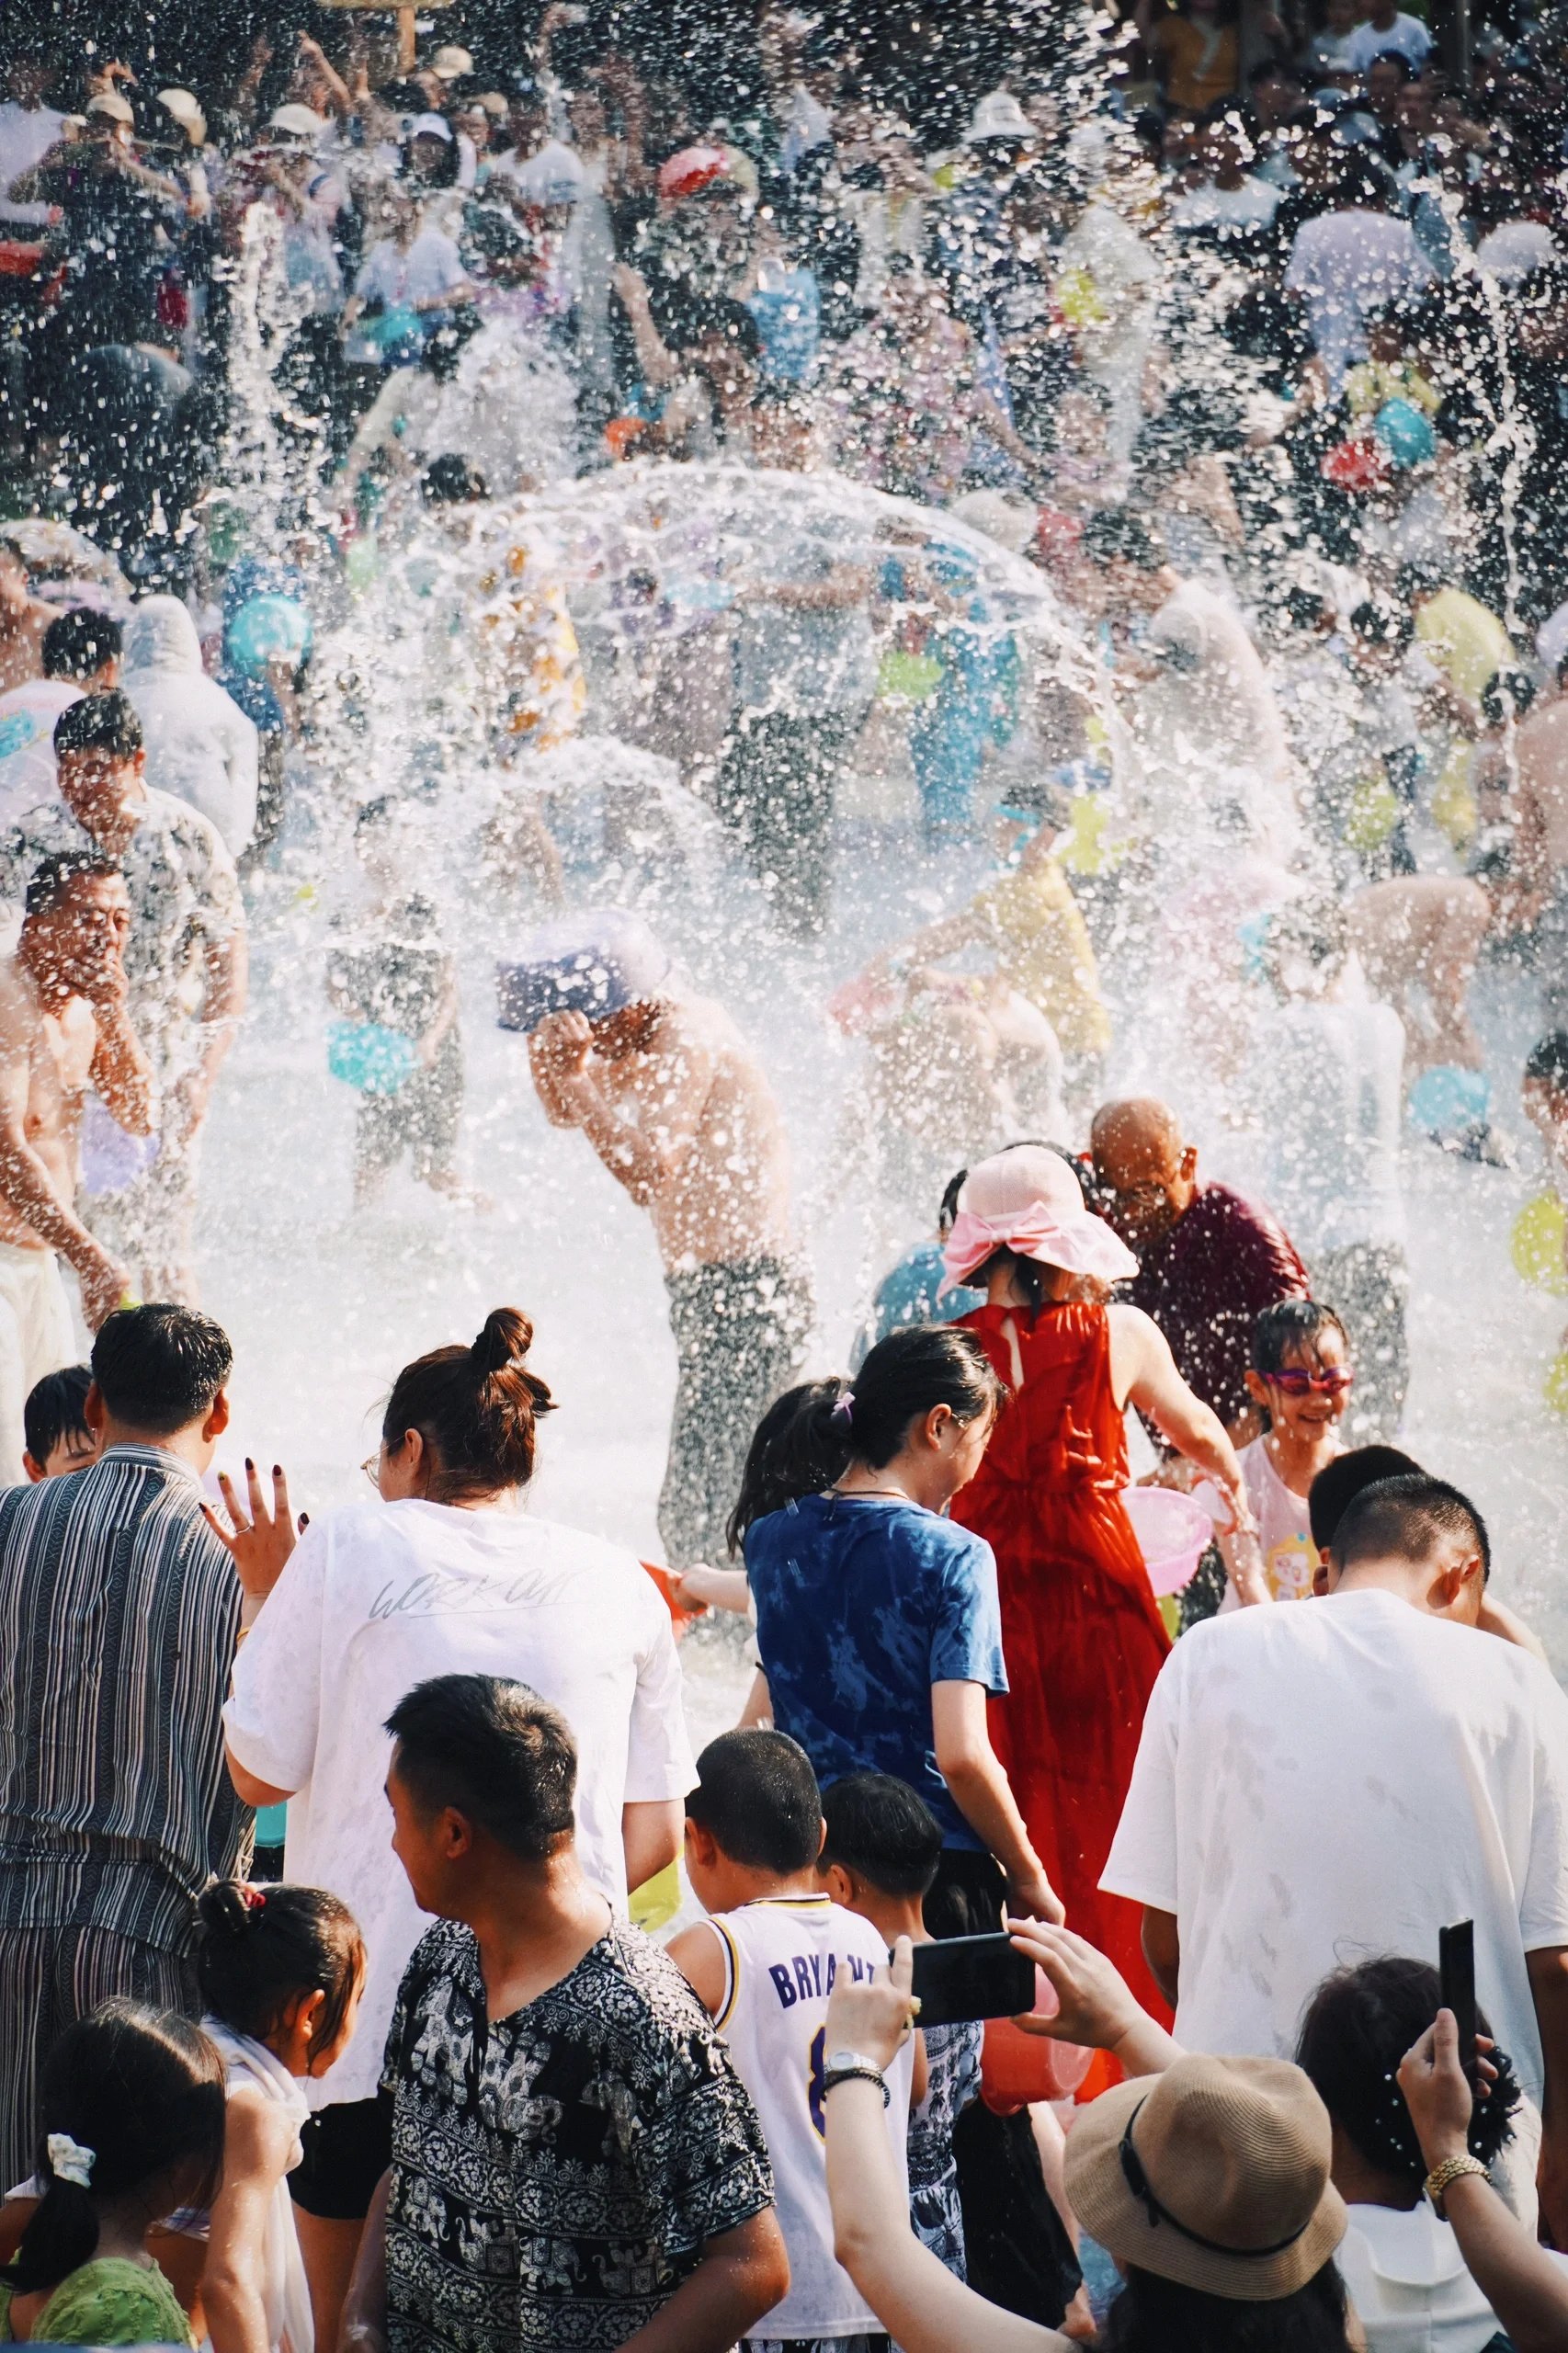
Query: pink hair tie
(251, 1898)
(844, 1410)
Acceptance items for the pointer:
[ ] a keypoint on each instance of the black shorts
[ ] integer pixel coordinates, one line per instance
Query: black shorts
(347, 2150)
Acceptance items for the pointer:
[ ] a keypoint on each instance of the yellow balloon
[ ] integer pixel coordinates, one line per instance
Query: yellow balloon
(1555, 1387)
(655, 1905)
(1537, 1245)
(1372, 815)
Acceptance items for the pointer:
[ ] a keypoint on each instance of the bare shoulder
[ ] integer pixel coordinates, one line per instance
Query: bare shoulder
(20, 1021)
(257, 2132)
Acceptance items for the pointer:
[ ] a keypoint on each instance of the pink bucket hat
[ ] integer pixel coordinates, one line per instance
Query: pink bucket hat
(1030, 1201)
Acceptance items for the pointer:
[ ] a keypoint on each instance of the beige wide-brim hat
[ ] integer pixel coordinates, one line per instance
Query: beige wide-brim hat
(1214, 2174)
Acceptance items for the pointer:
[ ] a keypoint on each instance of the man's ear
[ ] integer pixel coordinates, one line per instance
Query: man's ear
(1189, 1163)
(217, 1420)
(35, 1470)
(94, 1411)
(1456, 1590)
(838, 1885)
(700, 1843)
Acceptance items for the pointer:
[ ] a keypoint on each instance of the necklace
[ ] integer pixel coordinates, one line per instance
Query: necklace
(848, 1494)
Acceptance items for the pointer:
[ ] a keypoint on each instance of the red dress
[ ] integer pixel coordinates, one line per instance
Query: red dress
(1082, 1633)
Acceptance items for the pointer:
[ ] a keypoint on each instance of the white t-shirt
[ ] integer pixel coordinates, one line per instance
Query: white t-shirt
(1346, 264)
(27, 134)
(1318, 1786)
(27, 714)
(1251, 206)
(1327, 1081)
(380, 1596)
(782, 1955)
(1409, 2285)
(1408, 35)
(431, 266)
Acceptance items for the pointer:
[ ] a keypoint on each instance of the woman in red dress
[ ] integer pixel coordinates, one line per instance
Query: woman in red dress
(1082, 1634)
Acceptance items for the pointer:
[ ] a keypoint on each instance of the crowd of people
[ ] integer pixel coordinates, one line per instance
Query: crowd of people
(482, 493)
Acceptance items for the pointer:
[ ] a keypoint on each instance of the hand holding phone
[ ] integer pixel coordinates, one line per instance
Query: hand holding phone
(962, 1978)
(1455, 1973)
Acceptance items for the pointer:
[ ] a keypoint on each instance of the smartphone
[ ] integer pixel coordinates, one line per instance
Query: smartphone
(1456, 1972)
(961, 1977)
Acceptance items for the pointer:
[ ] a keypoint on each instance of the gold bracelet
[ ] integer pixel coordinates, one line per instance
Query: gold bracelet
(1452, 2169)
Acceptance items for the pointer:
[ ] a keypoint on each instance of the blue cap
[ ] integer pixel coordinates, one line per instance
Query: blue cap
(597, 962)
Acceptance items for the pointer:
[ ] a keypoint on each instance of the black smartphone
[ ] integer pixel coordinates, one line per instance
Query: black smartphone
(1456, 1972)
(961, 1977)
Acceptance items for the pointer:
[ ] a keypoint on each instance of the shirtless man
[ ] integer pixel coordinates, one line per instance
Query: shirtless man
(671, 1098)
(24, 618)
(63, 1028)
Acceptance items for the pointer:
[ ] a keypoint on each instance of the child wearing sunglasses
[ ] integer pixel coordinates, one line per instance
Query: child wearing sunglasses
(1300, 1377)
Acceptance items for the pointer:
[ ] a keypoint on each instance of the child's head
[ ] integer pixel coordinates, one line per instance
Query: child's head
(1388, 333)
(55, 1423)
(285, 1965)
(1358, 2026)
(1339, 1482)
(131, 2117)
(1545, 1087)
(1381, 637)
(1300, 1371)
(881, 1840)
(753, 1817)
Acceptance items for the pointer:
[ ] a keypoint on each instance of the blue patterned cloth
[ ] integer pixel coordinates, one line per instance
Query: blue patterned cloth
(861, 1605)
(952, 2060)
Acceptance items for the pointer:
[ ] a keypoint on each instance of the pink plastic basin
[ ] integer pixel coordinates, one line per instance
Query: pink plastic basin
(1172, 1532)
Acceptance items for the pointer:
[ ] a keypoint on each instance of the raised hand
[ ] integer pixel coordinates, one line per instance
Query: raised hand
(257, 1541)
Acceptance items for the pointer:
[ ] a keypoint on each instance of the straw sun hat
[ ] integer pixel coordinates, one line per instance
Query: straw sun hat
(1214, 2174)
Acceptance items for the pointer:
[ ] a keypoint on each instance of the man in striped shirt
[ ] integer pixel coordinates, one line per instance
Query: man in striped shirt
(118, 1615)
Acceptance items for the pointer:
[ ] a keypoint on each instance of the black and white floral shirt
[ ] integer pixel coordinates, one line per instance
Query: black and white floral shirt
(556, 2174)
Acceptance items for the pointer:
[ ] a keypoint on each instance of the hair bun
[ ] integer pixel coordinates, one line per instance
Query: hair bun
(226, 1908)
(504, 1341)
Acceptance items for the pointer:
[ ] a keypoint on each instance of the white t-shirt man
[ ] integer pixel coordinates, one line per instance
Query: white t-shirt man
(1346, 264)
(428, 267)
(1407, 35)
(377, 1597)
(1320, 1784)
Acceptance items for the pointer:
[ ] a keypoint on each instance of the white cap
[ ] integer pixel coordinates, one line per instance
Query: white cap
(998, 116)
(431, 126)
(553, 177)
(186, 111)
(109, 106)
(450, 63)
(301, 123)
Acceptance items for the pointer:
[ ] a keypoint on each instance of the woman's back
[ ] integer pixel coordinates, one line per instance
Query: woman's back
(1062, 1428)
(862, 1603)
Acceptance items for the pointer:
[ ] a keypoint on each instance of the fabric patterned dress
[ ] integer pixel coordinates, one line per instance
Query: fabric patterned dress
(556, 2174)
(952, 2060)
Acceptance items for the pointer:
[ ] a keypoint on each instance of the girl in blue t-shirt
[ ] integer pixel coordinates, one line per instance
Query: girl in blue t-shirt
(878, 1625)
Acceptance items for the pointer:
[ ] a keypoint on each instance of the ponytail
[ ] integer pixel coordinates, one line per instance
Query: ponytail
(476, 1408)
(807, 1440)
(130, 2099)
(261, 1949)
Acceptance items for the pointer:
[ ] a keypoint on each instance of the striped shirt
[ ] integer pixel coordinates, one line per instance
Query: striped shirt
(118, 1610)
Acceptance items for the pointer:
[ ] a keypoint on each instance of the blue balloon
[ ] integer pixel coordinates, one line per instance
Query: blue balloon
(370, 1057)
(267, 630)
(1404, 433)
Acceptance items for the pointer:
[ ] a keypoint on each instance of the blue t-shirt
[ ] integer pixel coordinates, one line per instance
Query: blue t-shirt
(861, 1605)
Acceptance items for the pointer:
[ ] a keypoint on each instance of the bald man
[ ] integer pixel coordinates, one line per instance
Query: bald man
(1208, 1260)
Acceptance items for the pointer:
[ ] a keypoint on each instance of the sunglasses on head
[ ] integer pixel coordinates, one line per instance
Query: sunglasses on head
(1296, 1381)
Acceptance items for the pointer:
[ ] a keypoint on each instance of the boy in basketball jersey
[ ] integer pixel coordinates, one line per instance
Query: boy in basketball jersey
(763, 1965)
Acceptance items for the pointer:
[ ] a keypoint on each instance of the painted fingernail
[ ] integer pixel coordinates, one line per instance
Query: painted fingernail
(278, 1469)
(249, 1464)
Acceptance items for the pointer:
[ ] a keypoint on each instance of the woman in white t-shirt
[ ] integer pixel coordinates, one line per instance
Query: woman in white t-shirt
(1300, 1377)
(442, 1574)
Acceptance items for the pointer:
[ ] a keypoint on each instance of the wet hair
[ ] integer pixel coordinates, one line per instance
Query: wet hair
(1340, 1482)
(1546, 1065)
(495, 1752)
(722, 317)
(451, 481)
(1395, 57)
(53, 1410)
(158, 1368)
(80, 642)
(55, 875)
(757, 1798)
(1112, 535)
(809, 1437)
(1383, 624)
(443, 173)
(105, 723)
(882, 1832)
(1155, 2316)
(259, 1948)
(1507, 694)
(1358, 2026)
(143, 2090)
(1408, 1518)
(374, 813)
(476, 1409)
(1288, 1324)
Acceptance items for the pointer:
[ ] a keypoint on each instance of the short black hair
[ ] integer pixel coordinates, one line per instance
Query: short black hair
(54, 875)
(883, 1831)
(1507, 694)
(158, 1368)
(1358, 2026)
(1340, 1482)
(451, 481)
(1383, 624)
(105, 723)
(80, 642)
(495, 1752)
(53, 1410)
(1112, 535)
(1407, 1518)
(1546, 1065)
(757, 1797)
